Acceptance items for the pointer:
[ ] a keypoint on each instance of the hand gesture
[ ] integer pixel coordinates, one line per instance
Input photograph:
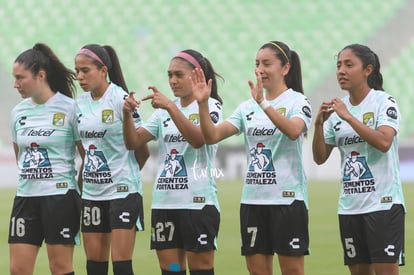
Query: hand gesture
(257, 90)
(201, 89)
(340, 109)
(325, 110)
(158, 100)
(130, 103)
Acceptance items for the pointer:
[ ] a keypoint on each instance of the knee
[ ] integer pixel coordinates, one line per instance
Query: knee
(59, 268)
(258, 270)
(18, 270)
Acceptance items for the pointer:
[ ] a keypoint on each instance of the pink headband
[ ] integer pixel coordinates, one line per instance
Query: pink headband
(189, 58)
(91, 54)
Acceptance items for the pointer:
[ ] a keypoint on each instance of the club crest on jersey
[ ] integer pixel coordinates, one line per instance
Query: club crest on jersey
(368, 119)
(357, 177)
(281, 110)
(36, 163)
(194, 118)
(108, 116)
(174, 174)
(59, 119)
(261, 169)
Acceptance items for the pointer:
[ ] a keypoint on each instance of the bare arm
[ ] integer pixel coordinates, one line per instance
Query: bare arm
(380, 138)
(81, 151)
(16, 149)
(191, 132)
(292, 128)
(134, 138)
(214, 133)
(321, 151)
(141, 155)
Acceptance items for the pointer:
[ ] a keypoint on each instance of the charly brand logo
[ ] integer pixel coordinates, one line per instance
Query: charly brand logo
(22, 120)
(165, 122)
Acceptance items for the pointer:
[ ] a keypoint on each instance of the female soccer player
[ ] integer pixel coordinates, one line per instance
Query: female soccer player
(185, 212)
(364, 126)
(273, 211)
(112, 209)
(47, 202)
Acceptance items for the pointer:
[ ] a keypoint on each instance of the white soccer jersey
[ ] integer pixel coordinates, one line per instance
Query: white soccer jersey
(110, 170)
(46, 135)
(185, 177)
(275, 174)
(370, 178)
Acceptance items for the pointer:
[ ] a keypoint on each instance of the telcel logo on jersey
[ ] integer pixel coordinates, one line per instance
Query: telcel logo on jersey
(254, 131)
(39, 132)
(92, 134)
(174, 138)
(353, 140)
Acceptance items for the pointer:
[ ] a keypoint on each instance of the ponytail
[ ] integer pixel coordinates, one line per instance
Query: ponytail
(41, 57)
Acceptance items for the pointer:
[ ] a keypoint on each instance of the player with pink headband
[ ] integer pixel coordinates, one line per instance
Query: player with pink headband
(112, 189)
(185, 212)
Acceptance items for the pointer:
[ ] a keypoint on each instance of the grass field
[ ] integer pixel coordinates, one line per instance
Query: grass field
(325, 258)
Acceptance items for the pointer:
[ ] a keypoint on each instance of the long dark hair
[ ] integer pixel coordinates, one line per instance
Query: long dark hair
(208, 70)
(293, 79)
(110, 59)
(41, 57)
(368, 57)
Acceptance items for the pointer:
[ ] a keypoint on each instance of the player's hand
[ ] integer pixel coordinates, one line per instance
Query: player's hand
(130, 103)
(340, 109)
(158, 100)
(325, 110)
(201, 89)
(257, 90)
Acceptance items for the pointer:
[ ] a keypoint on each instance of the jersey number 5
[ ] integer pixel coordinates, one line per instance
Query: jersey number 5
(350, 247)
